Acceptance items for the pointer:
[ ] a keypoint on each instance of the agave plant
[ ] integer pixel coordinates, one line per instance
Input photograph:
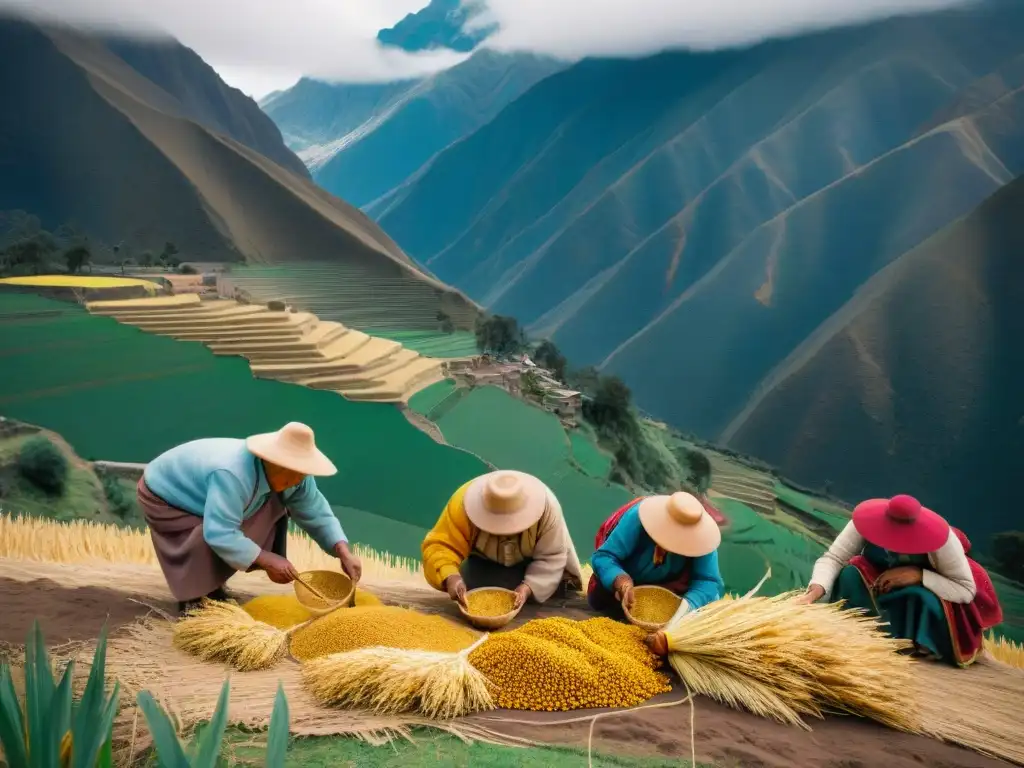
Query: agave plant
(52, 729)
(205, 752)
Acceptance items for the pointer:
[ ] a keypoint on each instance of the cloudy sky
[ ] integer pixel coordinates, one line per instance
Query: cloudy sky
(264, 45)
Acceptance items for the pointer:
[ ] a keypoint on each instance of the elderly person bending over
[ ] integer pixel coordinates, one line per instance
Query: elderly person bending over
(903, 562)
(218, 506)
(504, 529)
(669, 541)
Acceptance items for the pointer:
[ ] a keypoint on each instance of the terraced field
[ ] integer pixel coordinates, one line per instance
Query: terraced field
(508, 433)
(347, 294)
(294, 347)
(116, 393)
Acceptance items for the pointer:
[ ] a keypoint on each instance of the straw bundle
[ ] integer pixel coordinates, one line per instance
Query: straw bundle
(1005, 651)
(226, 633)
(782, 660)
(390, 681)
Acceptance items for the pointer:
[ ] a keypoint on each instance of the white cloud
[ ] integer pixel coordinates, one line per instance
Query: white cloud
(576, 28)
(261, 45)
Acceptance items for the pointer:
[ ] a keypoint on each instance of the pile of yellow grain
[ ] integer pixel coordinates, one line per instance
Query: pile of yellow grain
(654, 605)
(285, 611)
(559, 664)
(1005, 651)
(361, 627)
(490, 602)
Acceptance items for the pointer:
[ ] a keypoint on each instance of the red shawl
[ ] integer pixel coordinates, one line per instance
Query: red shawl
(967, 621)
(677, 585)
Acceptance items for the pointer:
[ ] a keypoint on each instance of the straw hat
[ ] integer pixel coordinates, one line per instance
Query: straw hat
(680, 524)
(505, 502)
(292, 447)
(900, 524)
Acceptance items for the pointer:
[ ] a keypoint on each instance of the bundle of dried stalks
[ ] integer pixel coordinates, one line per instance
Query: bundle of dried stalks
(784, 661)
(390, 681)
(978, 707)
(142, 658)
(226, 633)
(1005, 651)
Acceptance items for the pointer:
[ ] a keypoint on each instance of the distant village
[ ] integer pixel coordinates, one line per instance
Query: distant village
(522, 378)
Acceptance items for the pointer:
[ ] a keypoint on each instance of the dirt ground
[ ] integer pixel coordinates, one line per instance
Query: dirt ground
(72, 603)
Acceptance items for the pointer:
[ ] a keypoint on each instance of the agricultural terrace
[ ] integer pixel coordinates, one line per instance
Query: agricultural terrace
(116, 393)
(79, 281)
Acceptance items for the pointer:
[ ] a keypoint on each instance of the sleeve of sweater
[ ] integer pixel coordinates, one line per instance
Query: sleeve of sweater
(448, 543)
(313, 514)
(608, 560)
(222, 520)
(706, 583)
(550, 553)
(847, 544)
(952, 578)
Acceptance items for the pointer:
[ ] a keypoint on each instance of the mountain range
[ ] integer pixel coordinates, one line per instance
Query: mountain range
(142, 143)
(697, 223)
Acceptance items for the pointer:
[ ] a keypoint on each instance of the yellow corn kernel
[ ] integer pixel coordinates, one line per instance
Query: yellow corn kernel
(654, 605)
(490, 602)
(361, 627)
(572, 665)
(280, 611)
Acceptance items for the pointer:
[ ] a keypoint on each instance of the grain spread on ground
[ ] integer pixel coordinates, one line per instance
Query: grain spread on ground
(654, 606)
(281, 611)
(571, 665)
(490, 602)
(347, 629)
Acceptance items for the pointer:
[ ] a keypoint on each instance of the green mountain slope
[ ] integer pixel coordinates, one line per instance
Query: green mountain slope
(206, 98)
(88, 139)
(687, 221)
(922, 369)
(362, 141)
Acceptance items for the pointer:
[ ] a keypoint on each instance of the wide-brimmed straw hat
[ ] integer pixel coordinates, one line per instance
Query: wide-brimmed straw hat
(292, 447)
(680, 524)
(505, 502)
(900, 524)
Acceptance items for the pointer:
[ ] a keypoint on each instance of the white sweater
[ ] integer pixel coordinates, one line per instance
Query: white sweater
(951, 579)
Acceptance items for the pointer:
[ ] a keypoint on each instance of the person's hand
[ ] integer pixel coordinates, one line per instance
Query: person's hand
(278, 569)
(813, 594)
(623, 589)
(523, 593)
(894, 578)
(456, 589)
(350, 563)
(657, 642)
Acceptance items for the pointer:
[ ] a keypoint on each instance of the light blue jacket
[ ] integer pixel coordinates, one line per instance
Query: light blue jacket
(219, 480)
(628, 549)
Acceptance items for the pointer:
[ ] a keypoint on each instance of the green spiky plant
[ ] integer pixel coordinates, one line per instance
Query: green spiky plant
(52, 729)
(205, 752)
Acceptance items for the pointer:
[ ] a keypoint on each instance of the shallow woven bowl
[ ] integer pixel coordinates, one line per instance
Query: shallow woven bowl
(337, 583)
(489, 622)
(650, 626)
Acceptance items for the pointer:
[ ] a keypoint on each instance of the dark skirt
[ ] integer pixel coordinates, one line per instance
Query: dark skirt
(912, 613)
(192, 569)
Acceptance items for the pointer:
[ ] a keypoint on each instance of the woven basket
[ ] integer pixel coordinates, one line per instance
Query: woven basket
(649, 625)
(489, 622)
(332, 584)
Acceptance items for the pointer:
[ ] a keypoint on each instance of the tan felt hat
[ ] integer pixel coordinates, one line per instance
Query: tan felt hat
(505, 502)
(294, 448)
(680, 524)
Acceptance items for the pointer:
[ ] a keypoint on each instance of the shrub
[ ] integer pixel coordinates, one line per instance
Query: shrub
(187, 269)
(1008, 552)
(119, 502)
(43, 464)
(276, 306)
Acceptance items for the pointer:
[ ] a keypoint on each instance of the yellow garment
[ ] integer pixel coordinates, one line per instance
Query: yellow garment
(546, 544)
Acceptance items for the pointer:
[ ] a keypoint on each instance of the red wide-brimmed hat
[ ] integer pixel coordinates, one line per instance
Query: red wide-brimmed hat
(901, 525)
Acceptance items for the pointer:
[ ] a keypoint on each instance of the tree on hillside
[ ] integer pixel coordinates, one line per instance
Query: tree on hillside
(586, 380)
(146, 259)
(609, 406)
(76, 257)
(1008, 552)
(499, 335)
(548, 356)
(29, 254)
(169, 252)
(698, 471)
(444, 321)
